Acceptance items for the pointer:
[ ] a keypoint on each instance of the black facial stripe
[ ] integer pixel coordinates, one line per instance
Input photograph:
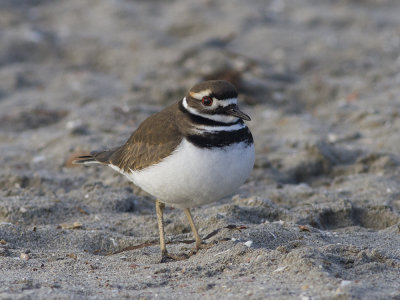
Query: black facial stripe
(220, 110)
(221, 138)
(195, 119)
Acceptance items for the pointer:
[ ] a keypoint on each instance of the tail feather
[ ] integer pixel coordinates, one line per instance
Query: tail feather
(95, 157)
(103, 157)
(84, 159)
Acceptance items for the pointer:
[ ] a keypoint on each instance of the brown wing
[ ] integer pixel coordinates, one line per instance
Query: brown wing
(154, 140)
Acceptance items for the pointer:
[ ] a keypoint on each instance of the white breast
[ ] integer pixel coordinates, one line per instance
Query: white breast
(193, 176)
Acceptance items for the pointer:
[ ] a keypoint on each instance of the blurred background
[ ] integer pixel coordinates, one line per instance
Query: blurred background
(66, 64)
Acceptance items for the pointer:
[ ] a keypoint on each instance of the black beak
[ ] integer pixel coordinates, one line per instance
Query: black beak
(235, 111)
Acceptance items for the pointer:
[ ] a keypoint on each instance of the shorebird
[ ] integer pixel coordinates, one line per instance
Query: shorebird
(194, 152)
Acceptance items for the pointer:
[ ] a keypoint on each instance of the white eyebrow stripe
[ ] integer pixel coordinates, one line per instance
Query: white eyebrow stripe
(201, 94)
(218, 118)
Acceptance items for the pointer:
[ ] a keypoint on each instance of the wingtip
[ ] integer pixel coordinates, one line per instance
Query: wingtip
(79, 160)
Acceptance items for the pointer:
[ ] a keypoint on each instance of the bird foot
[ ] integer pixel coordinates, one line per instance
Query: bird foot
(166, 257)
(200, 247)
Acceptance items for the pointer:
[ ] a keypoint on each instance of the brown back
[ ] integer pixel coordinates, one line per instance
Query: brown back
(154, 140)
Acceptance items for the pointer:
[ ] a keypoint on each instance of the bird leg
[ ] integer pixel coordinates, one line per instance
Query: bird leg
(194, 229)
(160, 219)
(165, 256)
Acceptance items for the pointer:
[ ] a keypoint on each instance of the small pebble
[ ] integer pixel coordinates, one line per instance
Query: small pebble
(24, 256)
(249, 243)
(73, 124)
(39, 158)
(259, 259)
(280, 222)
(345, 283)
(332, 138)
(280, 269)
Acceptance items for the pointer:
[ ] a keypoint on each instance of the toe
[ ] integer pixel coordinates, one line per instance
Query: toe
(166, 257)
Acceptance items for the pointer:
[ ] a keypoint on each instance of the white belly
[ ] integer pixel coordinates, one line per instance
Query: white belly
(193, 176)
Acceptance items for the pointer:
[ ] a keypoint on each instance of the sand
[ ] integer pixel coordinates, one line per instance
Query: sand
(319, 216)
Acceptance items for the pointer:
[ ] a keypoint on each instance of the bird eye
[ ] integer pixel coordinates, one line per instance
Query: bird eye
(207, 101)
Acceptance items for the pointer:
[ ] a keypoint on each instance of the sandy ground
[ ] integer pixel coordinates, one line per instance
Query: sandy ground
(320, 213)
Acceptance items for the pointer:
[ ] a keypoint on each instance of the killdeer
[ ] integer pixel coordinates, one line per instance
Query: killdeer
(193, 152)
